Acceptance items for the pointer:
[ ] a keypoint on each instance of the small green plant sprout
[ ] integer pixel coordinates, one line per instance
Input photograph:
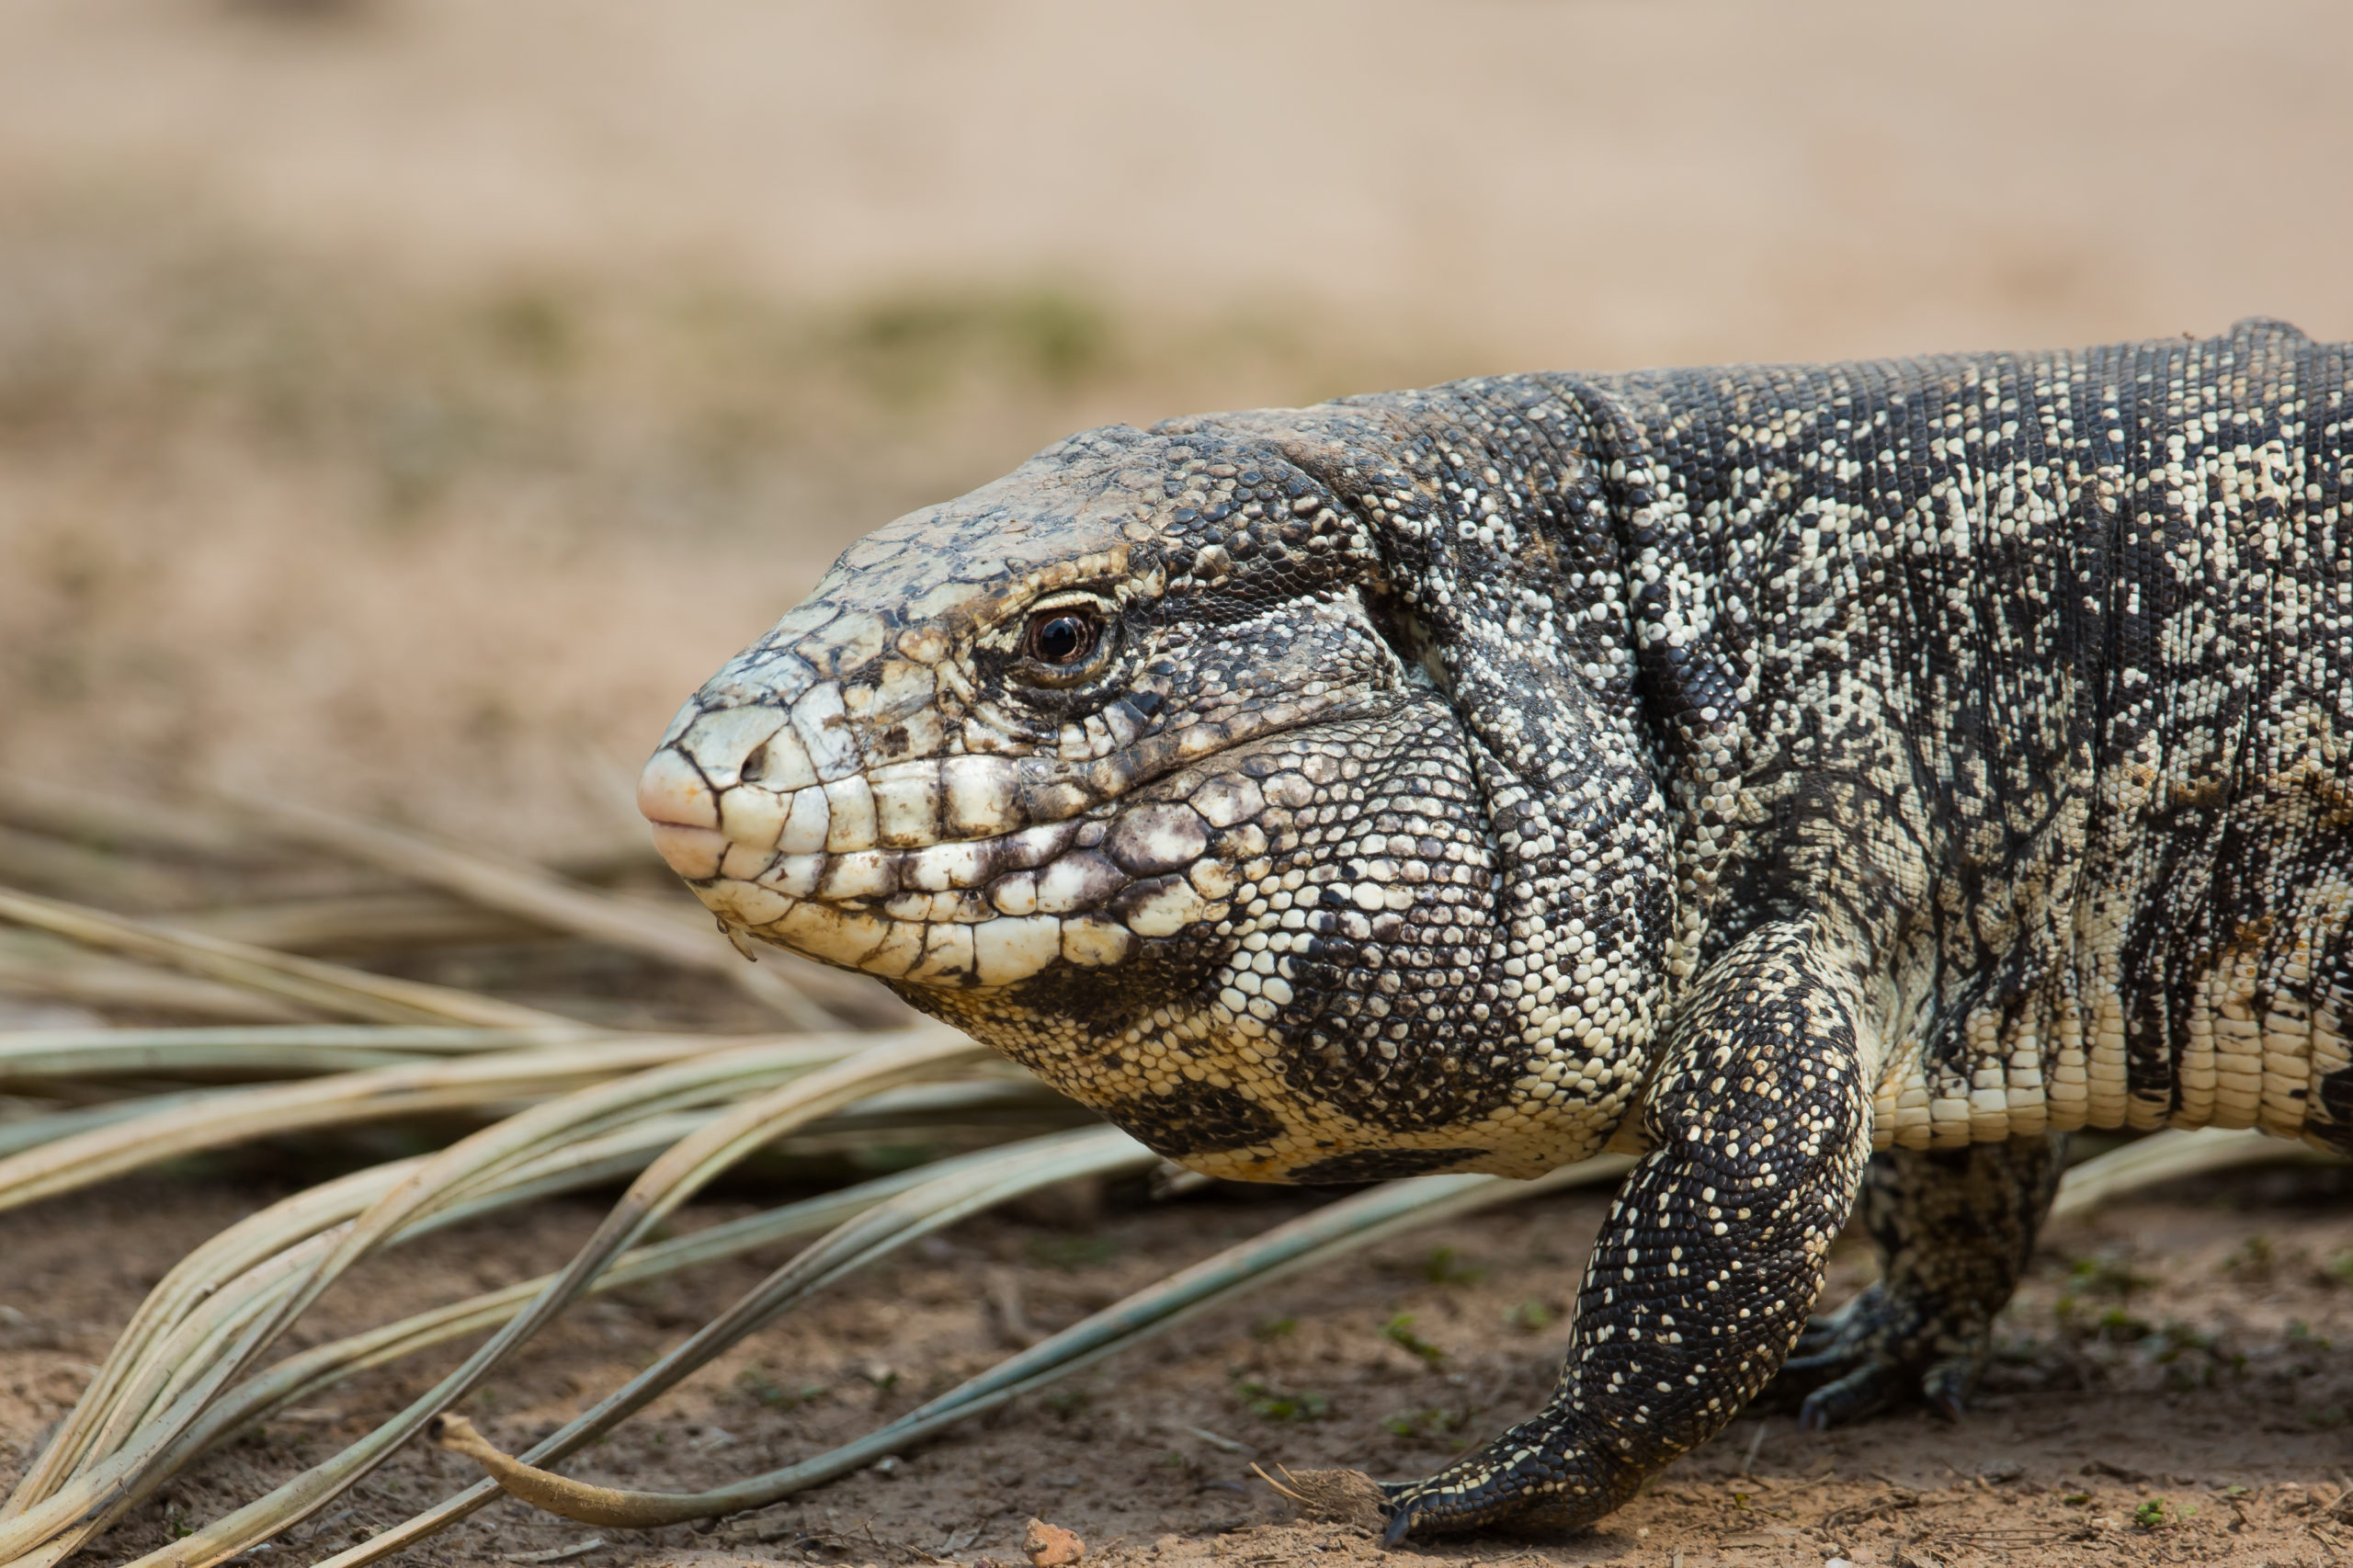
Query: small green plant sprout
(1276, 1404)
(1070, 1253)
(1530, 1316)
(2106, 1275)
(757, 1385)
(2156, 1514)
(2252, 1259)
(2118, 1326)
(1399, 1331)
(1445, 1266)
(1429, 1423)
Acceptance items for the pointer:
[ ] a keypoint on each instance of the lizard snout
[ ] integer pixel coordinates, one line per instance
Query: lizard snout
(684, 811)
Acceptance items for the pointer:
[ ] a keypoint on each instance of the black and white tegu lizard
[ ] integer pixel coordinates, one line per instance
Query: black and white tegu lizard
(1759, 767)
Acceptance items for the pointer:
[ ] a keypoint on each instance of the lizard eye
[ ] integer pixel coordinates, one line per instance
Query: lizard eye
(1061, 637)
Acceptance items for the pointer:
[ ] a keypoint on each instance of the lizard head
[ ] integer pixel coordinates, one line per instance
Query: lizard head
(1131, 765)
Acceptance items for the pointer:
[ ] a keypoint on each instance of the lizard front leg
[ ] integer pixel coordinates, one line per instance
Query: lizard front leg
(1759, 1123)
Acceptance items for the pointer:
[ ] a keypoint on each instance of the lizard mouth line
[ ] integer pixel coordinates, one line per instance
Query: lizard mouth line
(992, 910)
(1026, 899)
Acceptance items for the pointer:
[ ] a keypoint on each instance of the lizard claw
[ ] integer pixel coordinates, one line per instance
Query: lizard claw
(1397, 1506)
(1865, 1378)
(1947, 1385)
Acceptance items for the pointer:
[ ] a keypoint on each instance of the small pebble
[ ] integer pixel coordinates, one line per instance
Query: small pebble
(1051, 1546)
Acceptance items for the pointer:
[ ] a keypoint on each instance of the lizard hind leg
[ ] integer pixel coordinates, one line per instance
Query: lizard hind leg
(1954, 1229)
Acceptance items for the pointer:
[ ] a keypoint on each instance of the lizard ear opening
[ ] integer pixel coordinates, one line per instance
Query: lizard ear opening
(1395, 623)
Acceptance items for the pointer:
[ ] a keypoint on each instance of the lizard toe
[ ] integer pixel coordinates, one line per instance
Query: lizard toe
(1865, 1392)
(1945, 1388)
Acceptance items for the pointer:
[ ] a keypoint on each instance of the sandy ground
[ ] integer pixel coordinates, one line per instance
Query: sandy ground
(2169, 1391)
(1572, 182)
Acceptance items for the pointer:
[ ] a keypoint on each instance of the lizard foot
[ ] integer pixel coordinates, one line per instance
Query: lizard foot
(1534, 1480)
(1883, 1348)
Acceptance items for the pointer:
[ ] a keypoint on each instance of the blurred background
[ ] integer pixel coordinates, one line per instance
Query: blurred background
(404, 403)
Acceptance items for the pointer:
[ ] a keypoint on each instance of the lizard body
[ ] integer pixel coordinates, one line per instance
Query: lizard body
(1759, 766)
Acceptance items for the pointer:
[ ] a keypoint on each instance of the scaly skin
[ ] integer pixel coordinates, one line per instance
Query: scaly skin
(1765, 764)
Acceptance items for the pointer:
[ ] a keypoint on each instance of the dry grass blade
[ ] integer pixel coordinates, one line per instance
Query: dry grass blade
(40, 968)
(1332, 1230)
(202, 1305)
(47, 861)
(303, 1376)
(207, 1281)
(90, 816)
(83, 1507)
(219, 1339)
(534, 893)
(2171, 1156)
(33, 1132)
(236, 1116)
(949, 1192)
(222, 1281)
(328, 988)
(355, 922)
(29, 1056)
(229, 1278)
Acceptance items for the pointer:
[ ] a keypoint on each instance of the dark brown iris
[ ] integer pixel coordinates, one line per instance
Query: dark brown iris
(1061, 637)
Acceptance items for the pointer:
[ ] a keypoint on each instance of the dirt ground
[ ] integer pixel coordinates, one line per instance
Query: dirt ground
(2169, 1389)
